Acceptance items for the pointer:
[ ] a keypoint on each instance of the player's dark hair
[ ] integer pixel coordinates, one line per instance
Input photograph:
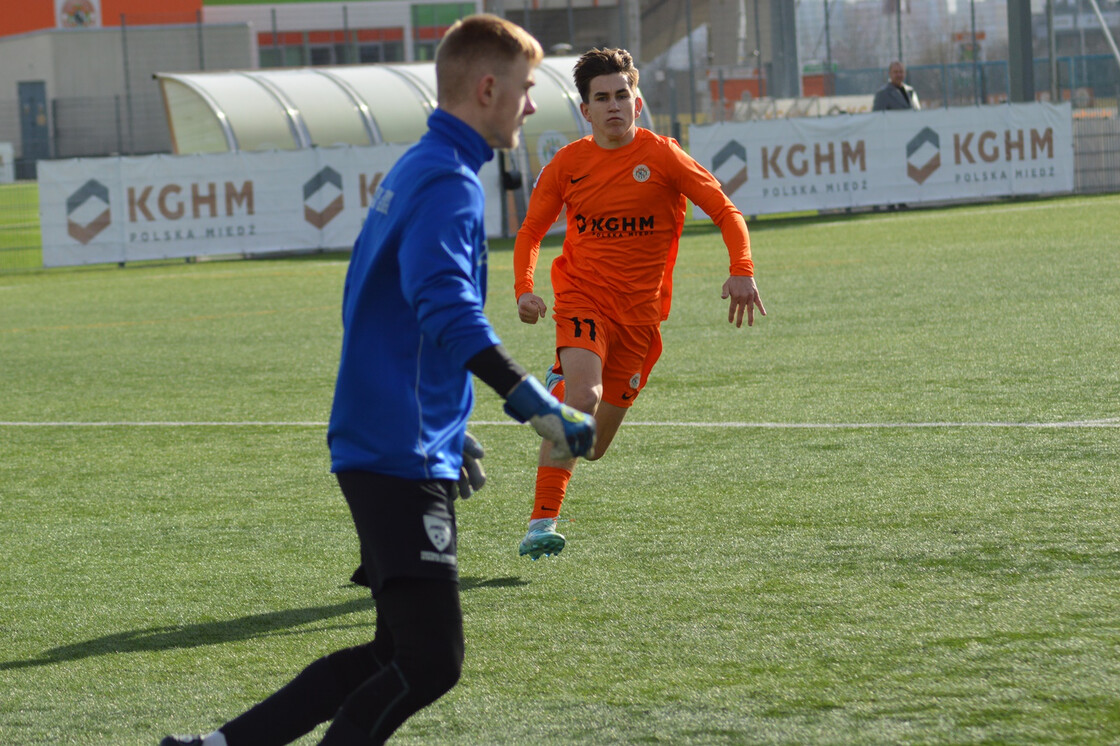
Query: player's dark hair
(478, 45)
(598, 62)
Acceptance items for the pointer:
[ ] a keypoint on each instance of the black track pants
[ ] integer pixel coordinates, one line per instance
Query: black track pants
(369, 690)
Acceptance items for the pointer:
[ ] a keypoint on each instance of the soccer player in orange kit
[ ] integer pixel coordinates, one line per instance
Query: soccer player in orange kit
(625, 190)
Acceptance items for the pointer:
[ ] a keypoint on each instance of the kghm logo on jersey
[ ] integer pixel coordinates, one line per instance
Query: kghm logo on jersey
(641, 173)
(614, 226)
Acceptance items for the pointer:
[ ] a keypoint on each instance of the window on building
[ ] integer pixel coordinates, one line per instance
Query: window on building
(334, 48)
(282, 56)
(425, 51)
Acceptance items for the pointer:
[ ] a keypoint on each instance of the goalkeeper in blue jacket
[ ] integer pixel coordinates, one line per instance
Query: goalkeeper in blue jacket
(413, 333)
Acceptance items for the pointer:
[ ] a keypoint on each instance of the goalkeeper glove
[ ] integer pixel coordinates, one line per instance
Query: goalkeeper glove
(471, 475)
(572, 432)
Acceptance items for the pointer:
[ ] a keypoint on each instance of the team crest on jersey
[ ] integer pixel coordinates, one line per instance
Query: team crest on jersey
(635, 380)
(641, 173)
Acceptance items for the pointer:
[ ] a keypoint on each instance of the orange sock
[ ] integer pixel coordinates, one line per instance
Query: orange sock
(559, 389)
(552, 482)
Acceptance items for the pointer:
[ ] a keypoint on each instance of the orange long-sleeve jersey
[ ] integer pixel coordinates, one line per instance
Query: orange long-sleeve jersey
(625, 213)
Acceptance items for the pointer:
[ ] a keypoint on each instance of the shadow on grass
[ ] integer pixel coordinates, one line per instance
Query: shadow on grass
(469, 584)
(229, 630)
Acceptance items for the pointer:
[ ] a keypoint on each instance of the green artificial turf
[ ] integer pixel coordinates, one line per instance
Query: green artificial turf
(885, 514)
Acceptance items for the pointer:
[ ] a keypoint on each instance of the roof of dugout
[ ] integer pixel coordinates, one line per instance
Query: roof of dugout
(293, 108)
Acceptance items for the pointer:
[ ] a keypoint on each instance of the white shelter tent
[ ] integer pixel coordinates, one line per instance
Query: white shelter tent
(358, 105)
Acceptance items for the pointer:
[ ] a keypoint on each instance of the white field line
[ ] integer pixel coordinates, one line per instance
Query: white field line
(929, 214)
(1106, 422)
(169, 424)
(237, 272)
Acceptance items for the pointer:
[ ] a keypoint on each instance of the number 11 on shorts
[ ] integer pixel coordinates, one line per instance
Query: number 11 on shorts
(579, 327)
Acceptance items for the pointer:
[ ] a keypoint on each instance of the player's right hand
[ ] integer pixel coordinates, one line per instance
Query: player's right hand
(472, 477)
(571, 432)
(530, 308)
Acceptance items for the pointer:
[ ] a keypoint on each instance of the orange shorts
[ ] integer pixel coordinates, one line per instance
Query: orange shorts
(628, 352)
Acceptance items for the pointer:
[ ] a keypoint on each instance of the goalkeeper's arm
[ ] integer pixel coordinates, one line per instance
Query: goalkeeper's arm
(571, 432)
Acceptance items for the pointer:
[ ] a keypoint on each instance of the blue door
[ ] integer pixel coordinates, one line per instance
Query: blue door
(34, 130)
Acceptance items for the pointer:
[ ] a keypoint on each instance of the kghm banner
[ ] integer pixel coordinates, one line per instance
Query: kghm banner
(887, 158)
(99, 210)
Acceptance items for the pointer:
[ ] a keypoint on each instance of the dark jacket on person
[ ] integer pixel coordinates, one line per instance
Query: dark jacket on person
(891, 96)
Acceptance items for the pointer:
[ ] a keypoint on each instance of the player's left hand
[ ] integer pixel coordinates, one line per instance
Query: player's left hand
(744, 297)
(471, 475)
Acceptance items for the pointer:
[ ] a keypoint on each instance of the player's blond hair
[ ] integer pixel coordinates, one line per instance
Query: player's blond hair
(596, 62)
(479, 45)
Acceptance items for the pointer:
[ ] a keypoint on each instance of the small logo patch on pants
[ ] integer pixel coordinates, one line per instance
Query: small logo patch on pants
(439, 531)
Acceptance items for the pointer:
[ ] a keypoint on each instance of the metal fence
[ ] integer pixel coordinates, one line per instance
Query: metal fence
(1096, 138)
(20, 246)
(91, 126)
(1096, 134)
(1088, 82)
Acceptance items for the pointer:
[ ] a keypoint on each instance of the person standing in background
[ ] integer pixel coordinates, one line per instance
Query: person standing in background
(896, 94)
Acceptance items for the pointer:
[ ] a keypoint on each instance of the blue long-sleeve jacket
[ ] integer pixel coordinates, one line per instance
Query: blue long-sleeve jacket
(412, 312)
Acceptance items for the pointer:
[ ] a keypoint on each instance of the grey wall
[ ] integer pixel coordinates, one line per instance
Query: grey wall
(95, 108)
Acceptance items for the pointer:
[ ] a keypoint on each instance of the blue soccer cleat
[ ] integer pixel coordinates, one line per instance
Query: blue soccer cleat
(542, 539)
(551, 379)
